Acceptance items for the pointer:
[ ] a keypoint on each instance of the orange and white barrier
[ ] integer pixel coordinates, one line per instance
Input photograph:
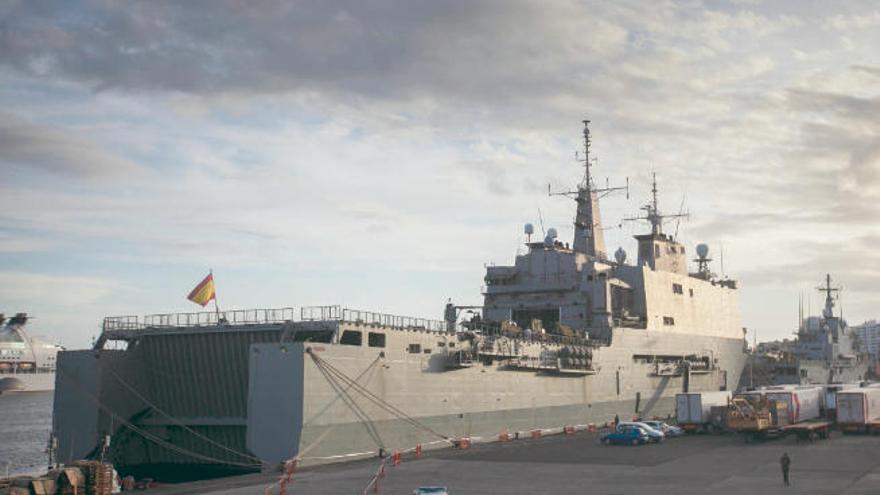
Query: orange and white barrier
(568, 430)
(464, 443)
(537, 433)
(504, 437)
(418, 450)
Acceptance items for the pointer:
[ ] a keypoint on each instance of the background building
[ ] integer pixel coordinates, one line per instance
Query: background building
(868, 335)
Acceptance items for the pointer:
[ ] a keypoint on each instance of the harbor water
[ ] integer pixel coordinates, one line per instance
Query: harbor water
(25, 424)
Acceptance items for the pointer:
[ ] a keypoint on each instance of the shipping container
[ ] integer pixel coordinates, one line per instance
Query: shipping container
(695, 408)
(859, 407)
(804, 403)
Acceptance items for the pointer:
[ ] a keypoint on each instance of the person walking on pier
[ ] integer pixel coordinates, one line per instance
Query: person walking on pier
(785, 463)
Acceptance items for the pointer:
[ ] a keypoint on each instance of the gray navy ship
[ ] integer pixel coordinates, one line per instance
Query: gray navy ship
(27, 364)
(824, 352)
(565, 336)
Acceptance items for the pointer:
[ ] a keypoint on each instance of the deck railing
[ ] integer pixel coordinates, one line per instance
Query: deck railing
(267, 316)
(338, 313)
(201, 319)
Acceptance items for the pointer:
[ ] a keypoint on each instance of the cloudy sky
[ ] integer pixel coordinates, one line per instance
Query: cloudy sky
(377, 154)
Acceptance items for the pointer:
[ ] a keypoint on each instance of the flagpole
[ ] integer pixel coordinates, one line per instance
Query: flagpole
(216, 306)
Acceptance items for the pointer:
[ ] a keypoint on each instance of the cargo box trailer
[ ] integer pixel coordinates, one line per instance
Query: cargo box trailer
(831, 391)
(694, 409)
(858, 408)
(804, 403)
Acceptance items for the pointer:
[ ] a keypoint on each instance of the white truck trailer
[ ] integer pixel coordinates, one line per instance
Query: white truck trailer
(693, 410)
(858, 409)
(804, 403)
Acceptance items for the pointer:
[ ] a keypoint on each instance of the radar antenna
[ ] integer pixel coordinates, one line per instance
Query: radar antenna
(652, 211)
(588, 237)
(829, 291)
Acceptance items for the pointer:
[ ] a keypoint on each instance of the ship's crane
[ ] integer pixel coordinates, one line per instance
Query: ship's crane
(452, 311)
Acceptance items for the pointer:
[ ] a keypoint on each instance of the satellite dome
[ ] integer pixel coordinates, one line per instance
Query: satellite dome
(551, 233)
(529, 229)
(620, 256)
(702, 250)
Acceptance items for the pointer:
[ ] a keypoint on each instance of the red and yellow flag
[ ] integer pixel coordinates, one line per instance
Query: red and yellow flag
(204, 292)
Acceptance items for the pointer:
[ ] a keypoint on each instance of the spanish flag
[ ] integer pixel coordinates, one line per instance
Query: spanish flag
(204, 292)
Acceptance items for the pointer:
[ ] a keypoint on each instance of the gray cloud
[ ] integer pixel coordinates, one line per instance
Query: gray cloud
(52, 150)
(424, 107)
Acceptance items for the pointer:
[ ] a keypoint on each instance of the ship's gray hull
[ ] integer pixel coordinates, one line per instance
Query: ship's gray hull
(222, 396)
(482, 401)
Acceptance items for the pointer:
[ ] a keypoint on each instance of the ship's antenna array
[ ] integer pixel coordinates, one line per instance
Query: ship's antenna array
(653, 214)
(587, 223)
(587, 182)
(681, 214)
(830, 292)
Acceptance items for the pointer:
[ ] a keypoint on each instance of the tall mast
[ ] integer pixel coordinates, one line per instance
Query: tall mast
(829, 291)
(586, 183)
(588, 238)
(652, 211)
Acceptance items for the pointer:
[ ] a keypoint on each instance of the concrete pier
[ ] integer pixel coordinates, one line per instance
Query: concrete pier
(578, 464)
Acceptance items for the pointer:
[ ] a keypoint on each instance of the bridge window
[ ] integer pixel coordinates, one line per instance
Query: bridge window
(668, 320)
(376, 339)
(351, 337)
(415, 348)
(677, 289)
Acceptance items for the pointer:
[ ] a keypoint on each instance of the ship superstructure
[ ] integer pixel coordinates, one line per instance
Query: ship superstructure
(824, 352)
(26, 363)
(564, 336)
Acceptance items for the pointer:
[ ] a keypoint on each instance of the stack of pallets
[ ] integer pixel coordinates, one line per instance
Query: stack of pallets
(99, 477)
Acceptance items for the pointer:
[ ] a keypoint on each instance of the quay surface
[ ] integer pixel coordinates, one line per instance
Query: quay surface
(845, 464)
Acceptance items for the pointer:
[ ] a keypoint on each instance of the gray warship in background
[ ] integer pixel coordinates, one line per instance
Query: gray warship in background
(564, 336)
(825, 352)
(27, 364)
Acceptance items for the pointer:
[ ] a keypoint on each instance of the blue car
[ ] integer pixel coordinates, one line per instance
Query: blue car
(625, 435)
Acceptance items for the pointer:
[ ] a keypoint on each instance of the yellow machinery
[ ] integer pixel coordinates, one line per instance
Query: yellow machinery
(754, 413)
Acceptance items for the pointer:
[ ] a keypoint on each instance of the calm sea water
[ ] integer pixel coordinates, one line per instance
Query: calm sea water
(25, 423)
